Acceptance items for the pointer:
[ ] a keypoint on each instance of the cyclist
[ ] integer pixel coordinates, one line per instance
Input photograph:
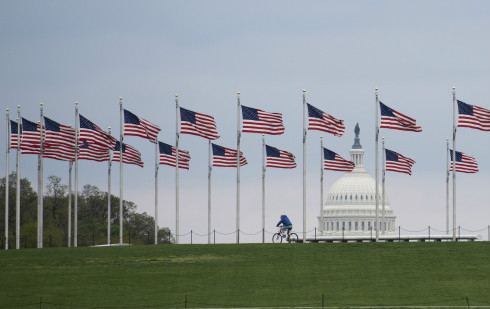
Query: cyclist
(286, 225)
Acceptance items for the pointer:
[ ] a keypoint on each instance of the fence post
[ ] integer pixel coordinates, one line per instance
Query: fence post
(429, 232)
(371, 229)
(214, 236)
(315, 233)
(263, 235)
(459, 231)
(399, 234)
(343, 229)
(191, 237)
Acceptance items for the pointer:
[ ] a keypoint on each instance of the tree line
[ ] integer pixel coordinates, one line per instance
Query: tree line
(138, 228)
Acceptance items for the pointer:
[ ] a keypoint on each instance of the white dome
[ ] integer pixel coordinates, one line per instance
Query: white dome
(354, 188)
(350, 205)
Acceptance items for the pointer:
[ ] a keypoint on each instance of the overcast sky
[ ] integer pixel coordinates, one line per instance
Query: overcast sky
(94, 52)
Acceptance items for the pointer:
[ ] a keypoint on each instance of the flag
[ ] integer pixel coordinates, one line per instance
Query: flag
(464, 163)
(391, 119)
(318, 120)
(258, 121)
(14, 135)
(472, 116)
(94, 135)
(279, 158)
(395, 162)
(334, 162)
(226, 157)
(58, 135)
(197, 124)
(31, 134)
(135, 126)
(87, 152)
(130, 154)
(167, 156)
(60, 152)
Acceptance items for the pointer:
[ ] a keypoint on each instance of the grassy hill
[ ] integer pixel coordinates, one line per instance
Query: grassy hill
(261, 275)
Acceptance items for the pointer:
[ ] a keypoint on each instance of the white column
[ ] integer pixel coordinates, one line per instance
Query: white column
(447, 186)
(304, 167)
(383, 158)
(454, 163)
(263, 188)
(376, 225)
(156, 190)
(75, 207)
(238, 172)
(176, 169)
(41, 186)
(109, 167)
(121, 148)
(210, 168)
(17, 198)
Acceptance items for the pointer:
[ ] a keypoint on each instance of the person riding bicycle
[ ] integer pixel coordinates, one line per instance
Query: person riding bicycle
(286, 225)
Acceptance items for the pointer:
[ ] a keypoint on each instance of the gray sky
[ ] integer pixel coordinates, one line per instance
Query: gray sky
(59, 52)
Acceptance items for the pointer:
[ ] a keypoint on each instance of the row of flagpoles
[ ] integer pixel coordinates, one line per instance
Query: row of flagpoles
(87, 141)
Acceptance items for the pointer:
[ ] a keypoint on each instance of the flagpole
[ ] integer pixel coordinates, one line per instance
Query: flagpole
(238, 172)
(70, 166)
(121, 153)
(304, 167)
(209, 191)
(321, 177)
(156, 190)
(383, 154)
(40, 179)
(8, 133)
(176, 168)
(454, 164)
(447, 186)
(75, 207)
(109, 168)
(263, 188)
(17, 198)
(376, 225)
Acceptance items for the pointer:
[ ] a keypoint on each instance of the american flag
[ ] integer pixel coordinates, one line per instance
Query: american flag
(391, 119)
(59, 152)
(395, 162)
(167, 156)
(472, 116)
(279, 158)
(130, 154)
(318, 120)
(14, 136)
(58, 135)
(94, 135)
(334, 162)
(226, 157)
(87, 152)
(31, 134)
(258, 121)
(464, 163)
(197, 124)
(135, 126)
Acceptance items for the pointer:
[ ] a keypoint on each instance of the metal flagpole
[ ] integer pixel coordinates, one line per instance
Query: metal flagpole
(41, 185)
(209, 192)
(7, 182)
(447, 186)
(109, 168)
(238, 171)
(263, 188)
(321, 176)
(121, 149)
(454, 163)
(156, 190)
(75, 207)
(383, 154)
(304, 167)
(17, 198)
(176, 168)
(70, 166)
(376, 225)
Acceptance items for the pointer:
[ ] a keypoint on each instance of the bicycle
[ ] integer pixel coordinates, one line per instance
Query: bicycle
(277, 237)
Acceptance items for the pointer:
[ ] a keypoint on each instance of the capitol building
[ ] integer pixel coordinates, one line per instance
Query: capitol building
(350, 206)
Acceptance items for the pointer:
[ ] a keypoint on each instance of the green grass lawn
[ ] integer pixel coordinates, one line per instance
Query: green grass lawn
(163, 276)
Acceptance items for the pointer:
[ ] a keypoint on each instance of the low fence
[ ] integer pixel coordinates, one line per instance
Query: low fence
(216, 237)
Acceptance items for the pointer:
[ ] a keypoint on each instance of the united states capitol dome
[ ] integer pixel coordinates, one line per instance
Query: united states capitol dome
(350, 205)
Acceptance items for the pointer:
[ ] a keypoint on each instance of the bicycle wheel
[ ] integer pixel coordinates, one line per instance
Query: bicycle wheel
(277, 238)
(293, 237)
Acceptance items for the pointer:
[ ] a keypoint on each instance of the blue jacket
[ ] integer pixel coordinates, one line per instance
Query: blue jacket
(284, 220)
